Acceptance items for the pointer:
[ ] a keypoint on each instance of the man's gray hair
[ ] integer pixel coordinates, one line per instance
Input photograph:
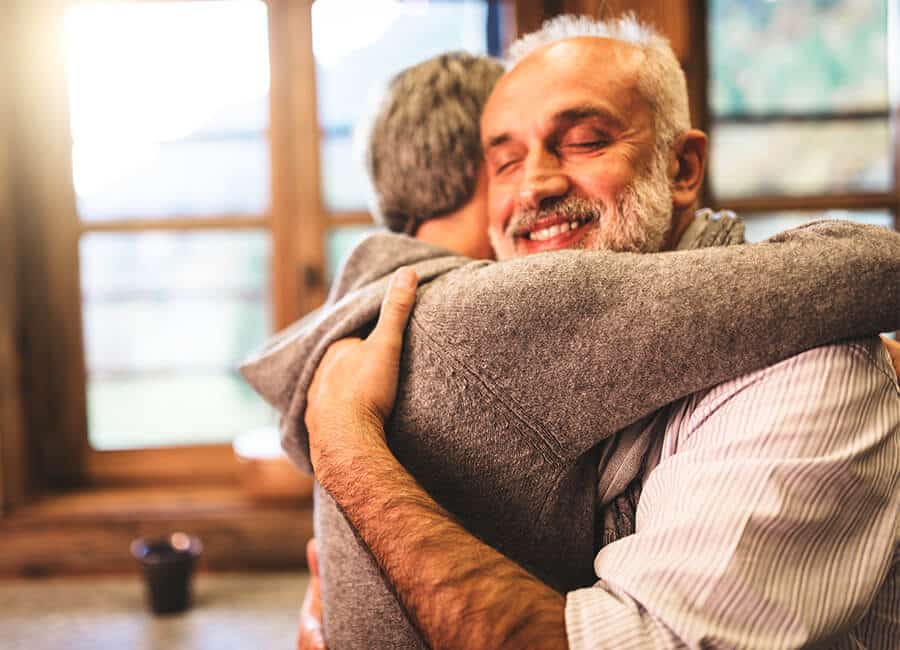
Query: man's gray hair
(424, 151)
(661, 81)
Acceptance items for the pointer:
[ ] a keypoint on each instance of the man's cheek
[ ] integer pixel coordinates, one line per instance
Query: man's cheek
(603, 181)
(501, 203)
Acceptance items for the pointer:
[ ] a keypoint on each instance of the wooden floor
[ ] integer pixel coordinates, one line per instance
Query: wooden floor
(230, 611)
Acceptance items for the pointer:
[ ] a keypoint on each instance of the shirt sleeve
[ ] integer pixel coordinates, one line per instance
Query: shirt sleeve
(771, 520)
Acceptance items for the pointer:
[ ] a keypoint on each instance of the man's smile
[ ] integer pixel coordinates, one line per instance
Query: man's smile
(551, 233)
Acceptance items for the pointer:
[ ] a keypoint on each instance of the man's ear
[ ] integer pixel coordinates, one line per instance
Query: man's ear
(687, 168)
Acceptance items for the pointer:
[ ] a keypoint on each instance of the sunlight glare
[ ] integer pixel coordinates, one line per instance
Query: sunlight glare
(335, 36)
(141, 74)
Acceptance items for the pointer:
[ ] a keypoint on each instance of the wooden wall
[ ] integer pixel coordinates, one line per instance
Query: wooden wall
(40, 213)
(12, 439)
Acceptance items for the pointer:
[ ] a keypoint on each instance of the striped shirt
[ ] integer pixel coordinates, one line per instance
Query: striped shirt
(768, 519)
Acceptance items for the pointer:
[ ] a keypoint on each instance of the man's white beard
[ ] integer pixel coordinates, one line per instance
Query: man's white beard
(643, 213)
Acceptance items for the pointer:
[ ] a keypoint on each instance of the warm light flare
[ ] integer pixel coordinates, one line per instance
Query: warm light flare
(335, 36)
(141, 74)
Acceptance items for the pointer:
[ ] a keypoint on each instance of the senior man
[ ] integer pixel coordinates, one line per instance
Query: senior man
(551, 443)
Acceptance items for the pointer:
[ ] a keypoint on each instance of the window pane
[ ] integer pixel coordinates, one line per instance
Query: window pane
(800, 158)
(345, 185)
(341, 241)
(763, 225)
(799, 56)
(799, 97)
(169, 108)
(356, 58)
(168, 316)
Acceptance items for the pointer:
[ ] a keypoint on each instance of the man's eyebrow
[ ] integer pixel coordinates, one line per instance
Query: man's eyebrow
(579, 113)
(497, 140)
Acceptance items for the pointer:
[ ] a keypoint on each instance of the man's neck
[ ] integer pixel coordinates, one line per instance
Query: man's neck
(456, 232)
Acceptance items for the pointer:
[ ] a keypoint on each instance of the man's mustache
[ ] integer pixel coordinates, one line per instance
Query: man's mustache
(570, 208)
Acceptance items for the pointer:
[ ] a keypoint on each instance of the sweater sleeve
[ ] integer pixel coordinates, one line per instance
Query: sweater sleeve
(583, 343)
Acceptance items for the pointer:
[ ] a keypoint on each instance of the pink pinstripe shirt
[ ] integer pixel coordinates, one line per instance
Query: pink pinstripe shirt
(769, 517)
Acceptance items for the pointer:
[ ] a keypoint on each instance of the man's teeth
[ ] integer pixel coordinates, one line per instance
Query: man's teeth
(553, 231)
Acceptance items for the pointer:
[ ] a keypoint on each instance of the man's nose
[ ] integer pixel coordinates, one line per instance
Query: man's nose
(543, 179)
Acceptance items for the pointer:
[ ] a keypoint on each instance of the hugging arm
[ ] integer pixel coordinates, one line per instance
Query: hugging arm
(460, 592)
(621, 335)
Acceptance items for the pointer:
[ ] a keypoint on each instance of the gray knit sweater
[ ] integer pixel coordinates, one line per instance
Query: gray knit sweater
(514, 373)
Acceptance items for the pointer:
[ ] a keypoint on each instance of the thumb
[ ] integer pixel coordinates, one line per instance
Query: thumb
(395, 309)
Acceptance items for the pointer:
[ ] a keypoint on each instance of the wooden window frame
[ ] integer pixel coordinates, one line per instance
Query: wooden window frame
(294, 222)
(65, 507)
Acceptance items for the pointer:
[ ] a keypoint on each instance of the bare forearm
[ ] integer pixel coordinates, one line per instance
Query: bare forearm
(460, 592)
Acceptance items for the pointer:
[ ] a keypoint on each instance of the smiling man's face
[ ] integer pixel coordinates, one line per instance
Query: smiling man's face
(571, 157)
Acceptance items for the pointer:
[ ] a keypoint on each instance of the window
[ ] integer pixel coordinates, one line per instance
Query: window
(801, 111)
(198, 194)
(169, 113)
(174, 198)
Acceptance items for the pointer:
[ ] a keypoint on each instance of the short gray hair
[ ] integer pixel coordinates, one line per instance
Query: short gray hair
(661, 80)
(424, 150)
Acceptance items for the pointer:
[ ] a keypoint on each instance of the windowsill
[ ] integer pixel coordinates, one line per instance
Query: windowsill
(230, 610)
(89, 531)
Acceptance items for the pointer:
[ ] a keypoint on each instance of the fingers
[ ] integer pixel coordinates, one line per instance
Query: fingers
(395, 309)
(311, 636)
(312, 558)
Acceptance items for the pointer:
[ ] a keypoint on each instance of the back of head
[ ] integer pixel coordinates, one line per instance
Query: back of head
(424, 150)
(661, 81)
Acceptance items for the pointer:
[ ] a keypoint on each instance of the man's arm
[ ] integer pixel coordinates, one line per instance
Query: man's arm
(460, 592)
(620, 335)
(774, 522)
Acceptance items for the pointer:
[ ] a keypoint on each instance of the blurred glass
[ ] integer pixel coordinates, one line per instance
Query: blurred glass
(169, 108)
(345, 185)
(799, 97)
(789, 158)
(355, 59)
(168, 316)
(763, 225)
(797, 56)
(340, 242)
